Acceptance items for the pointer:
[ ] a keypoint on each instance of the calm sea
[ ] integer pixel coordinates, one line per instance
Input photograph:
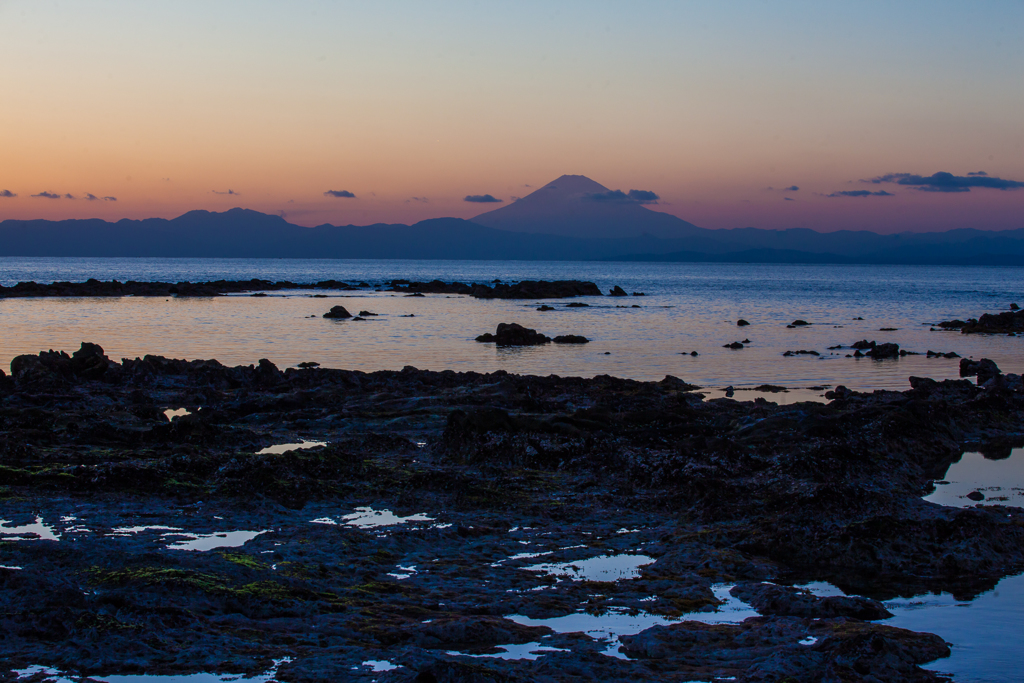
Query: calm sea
(686, 307)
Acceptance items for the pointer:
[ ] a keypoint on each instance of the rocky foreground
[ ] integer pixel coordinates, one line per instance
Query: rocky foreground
(488, 475)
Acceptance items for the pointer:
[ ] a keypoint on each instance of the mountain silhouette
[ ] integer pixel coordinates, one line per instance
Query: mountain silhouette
(243, 233)
(576, 206)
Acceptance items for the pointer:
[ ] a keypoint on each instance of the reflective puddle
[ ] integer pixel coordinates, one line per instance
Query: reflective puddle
(172, 413)
(521, 651)
(51, 675)
(620, 622)
(222, 539)
(976, 479)
(368, 518)
(987, 633)
(36, 531)
(285, 447)
(603, 568)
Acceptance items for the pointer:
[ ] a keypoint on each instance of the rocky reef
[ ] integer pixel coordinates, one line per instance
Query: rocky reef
(434, 519)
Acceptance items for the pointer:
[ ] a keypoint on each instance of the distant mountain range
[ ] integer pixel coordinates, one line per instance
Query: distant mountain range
(572, 218)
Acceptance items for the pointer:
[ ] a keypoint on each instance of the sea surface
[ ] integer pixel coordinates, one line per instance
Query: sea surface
(687, 307)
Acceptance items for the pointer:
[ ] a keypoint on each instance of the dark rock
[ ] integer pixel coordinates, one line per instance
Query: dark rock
(989, 323)
(576, 304)
(862, 345)
(337, 312)
(617, 291)
(1014, 307)
(514, 334)
(880, 351)
(799, 323)
(693, 353)
(940, 354)
(741, 323)
(638, 294)
(983, 369)
(745, 341)
(801, 352)
(887, 329)
(771, 388)
(546, 308)
(367, 314)
(733, 345)
(570, 339)
(840, 392)
(976, 495)
(786, 601)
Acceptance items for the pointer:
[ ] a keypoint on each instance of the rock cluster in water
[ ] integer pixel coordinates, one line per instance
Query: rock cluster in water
(492, 478)
(1007, 322)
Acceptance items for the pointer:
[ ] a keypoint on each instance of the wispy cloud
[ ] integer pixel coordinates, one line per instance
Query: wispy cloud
(69, 196)
(7, 193)
(482, 199)
(791, 188)
(90, 197)
(861, 193)
(620, 197)
(421, 200)
(947, 182)
(230, 191)
(788, 199)
(339, 194)
(110, 199)
(47, 195)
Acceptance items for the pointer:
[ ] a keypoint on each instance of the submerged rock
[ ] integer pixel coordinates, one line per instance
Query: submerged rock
(570, 339)
(514, 334)
(337, 312)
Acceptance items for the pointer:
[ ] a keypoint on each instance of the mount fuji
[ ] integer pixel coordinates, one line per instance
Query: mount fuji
(576, 206)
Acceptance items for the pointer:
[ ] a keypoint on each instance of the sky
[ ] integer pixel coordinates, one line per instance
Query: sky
(140, 109)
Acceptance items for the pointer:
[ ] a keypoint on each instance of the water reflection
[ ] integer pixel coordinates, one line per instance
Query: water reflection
(978, 479)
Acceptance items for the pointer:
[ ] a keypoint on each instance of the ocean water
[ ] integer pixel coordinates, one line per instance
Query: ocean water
(686, 307)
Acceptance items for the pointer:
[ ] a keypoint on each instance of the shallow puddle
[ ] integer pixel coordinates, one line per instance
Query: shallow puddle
(378, 665)
(221, 539)
(40, 530)
(999, 481)
(521, 651)
(603, 568)
(987, 633)
(368, 518)
(172, 413)
(285, 447)
(619, 622)
(55, 676)
(130, 530)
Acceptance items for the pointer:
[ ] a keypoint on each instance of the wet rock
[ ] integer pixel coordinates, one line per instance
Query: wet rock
(576, 304)
(368, 314)
(976, 496)
(786, 601)
(837, 649)
(801, 352)
(733, 345)
(514, 334)
(1007, 322)
(983, 369)
(570, 339)
(1014, 307)
(863, 345)
(617, 291)
(741, 323)
(840, 392)
(880, 351)
(940, 354)
(337, 312)
(546, 308)
(693, 353)
(798, 323)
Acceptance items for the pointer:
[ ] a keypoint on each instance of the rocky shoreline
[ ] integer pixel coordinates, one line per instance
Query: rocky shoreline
(526, 289)
(427, 518)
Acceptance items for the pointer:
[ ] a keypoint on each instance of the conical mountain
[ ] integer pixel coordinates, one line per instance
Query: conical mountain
(576, 206)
